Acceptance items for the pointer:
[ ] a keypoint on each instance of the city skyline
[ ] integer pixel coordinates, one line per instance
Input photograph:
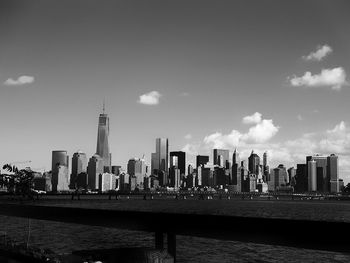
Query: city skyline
(202, 75)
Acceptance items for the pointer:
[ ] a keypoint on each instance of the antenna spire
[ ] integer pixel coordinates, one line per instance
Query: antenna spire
(103, 106)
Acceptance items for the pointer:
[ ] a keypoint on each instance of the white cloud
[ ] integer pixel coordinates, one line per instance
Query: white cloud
(334, 78)
(188, 136)
(184, 94)
(151, 98)
(219, 140)
(19, 81)
(337, 140)
(319, 54)
(252, 119)
(299, 117)
(261, 132)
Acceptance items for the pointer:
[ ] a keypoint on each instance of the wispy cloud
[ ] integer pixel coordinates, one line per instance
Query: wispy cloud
(300, 118)
(334, 78)
(151, 98)
(319, 54)
(22, 80)
(184, 94)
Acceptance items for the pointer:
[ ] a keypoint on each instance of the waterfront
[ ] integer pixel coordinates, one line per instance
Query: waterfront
(65, 238)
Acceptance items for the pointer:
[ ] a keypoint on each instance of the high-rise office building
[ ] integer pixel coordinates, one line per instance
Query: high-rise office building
(180, 158)
(107, 181)
(201, 160)
(160, 161)
(253, 163)
(116, 169)
(175, 177)
(221, 158)
(265, 159)
(322, 181)
(79, 165)
(102, 148)
(219, 176)
(301, 178)
(189, 169)
(207, 176)
(280, 176)
(95, 168)
(60, 172)
(245, 183)
(236, 173)
(332, 173)
(312, 175)
(291, 175)
(137, 168)
(265, 168)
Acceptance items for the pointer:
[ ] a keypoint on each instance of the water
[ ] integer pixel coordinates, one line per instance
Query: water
(65, 238)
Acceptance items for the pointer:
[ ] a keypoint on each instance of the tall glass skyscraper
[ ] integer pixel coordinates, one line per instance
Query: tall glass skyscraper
(160, 162)
(221, 158)
(253, 163)
(79, 165)
(102, 148)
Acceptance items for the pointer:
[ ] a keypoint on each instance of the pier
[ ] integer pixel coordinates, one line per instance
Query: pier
(309, 234)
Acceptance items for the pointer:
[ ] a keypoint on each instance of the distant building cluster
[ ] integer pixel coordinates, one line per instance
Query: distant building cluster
(168, 170)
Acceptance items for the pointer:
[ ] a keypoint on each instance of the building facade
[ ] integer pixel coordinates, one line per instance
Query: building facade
(60, 171)
(102, 148)
(178, 159)
(160, 162)
(201, 160)
(221, 158)
(79, 165)
(95, 168)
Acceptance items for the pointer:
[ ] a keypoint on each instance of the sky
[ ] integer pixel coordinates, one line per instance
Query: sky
(253, 75)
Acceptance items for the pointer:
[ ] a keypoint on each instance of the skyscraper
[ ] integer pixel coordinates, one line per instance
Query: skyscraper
(102, 148)
(221, 158)
(266, 168)
(312, 175)
(181, 161)
(301, 178)
(160, 162)
(79, 165)
(322, 181)
(137, 167)
(244, 177)
(59, 168)
(253, 163)
(332, 173)
(189, 169)
(201, 160)
(280, 176)
(291, 175)
(236, 174)
(95, 168)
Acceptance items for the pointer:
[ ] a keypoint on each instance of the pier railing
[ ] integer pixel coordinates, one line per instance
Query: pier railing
(319, 235)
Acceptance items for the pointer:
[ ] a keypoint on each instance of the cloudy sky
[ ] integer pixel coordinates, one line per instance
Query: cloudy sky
(263, 75)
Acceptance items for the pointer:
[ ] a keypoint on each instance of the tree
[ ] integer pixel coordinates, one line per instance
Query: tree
(346, 189)
(17, 181)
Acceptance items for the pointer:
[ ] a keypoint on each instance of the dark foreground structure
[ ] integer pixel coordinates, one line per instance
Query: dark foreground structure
(320, 235)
